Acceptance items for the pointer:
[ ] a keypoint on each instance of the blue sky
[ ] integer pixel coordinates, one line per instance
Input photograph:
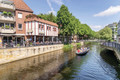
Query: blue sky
(95, 13)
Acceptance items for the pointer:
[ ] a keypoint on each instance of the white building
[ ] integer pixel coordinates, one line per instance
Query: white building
(118, 35)
(114, 30)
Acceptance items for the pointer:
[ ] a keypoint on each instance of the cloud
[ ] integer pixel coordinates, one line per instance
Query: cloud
(52, 12)
(110, 11)
(50, 5)
(58, 2)
(96, 27)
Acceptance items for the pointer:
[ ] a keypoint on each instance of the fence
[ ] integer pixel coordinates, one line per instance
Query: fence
(113, 45)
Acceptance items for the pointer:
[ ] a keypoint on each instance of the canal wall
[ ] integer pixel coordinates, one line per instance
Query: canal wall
(116, 52)
(10, 55)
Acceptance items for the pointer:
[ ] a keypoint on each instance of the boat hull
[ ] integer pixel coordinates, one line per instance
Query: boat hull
(82, 53)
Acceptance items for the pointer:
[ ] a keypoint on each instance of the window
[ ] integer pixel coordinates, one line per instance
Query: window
(42, 27)
(12, 25)
(1, 12)
(20, 26)
(1, 24)
(50, 28)
(39, 26)
(47, 27)
(19, 15)
(54, 29)
(7, 24)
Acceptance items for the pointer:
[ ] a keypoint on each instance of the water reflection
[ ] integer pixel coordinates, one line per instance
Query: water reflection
(89, 67)
(111, 59)
(96, 65)
(36, 68)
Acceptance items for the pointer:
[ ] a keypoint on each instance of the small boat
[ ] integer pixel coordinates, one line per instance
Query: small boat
(82, 51)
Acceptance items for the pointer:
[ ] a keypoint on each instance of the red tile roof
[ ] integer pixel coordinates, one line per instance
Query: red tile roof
(41, 20)
(21, 5)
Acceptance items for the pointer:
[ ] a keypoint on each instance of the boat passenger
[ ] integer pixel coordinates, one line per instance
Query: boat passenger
(78, 50)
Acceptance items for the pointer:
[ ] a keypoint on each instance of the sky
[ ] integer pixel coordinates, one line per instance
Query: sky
(96, 13)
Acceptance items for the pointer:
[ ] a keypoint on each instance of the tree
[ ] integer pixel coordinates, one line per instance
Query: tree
(64, 21)
(49, 17)
(106, 33)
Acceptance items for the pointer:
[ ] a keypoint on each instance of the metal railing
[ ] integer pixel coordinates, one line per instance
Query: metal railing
(113, 45)
(22, 45)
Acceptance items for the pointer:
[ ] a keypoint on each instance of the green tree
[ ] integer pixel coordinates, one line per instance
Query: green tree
(49, 17)
(106, 33)
(65, 22)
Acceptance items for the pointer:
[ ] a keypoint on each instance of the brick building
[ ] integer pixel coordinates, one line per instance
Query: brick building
(17, 28)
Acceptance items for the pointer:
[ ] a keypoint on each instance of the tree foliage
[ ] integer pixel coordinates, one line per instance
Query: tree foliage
(105, 33)
(49, 17)
(70, 25)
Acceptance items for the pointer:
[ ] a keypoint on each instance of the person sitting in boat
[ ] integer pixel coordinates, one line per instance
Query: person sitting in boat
(78, 50)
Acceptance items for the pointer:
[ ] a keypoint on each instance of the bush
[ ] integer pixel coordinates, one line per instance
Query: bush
(67, 47)
(87, 43)
(78, 45)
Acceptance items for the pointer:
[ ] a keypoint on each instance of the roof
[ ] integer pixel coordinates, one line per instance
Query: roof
(21, 5)
(41, 20)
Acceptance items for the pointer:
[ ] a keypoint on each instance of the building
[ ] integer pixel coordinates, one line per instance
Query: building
(118, 35)
(114, 30)
(16, 25)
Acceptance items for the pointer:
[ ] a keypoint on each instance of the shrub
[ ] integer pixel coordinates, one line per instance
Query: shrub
(78, 45)
(67, 47)
(87, 43)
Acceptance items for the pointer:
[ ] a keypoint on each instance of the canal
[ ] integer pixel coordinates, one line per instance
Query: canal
(98, 64)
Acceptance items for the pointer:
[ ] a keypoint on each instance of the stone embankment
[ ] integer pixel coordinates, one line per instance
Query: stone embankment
(10, 55)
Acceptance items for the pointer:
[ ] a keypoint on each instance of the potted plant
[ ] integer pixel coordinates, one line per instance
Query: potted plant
(18, 45)
(10, 14)
(7, 27)
(30, 43)
(11, 27)
(2, 27)
(5, 13)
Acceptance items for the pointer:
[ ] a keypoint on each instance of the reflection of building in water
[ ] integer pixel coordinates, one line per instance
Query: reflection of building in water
(39, 67)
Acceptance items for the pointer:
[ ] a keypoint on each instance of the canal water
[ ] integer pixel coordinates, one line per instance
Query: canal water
(98, 64)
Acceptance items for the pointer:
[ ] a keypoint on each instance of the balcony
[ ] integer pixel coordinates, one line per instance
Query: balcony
(7, 18)
(7, 31)
(5, 4)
